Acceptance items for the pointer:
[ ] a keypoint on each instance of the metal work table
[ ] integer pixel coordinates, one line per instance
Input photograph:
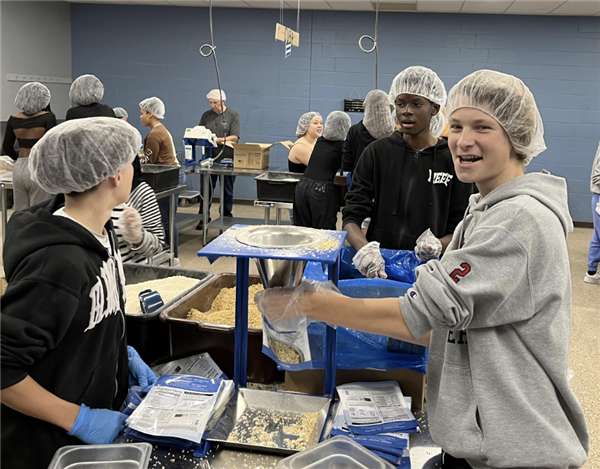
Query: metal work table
(278, 206)
(4, 186)
(223, 223)
(171, 193)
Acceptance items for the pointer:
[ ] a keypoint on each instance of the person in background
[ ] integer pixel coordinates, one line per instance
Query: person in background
(27, 127)
(310, 128)
(121, 113)
(496, 319)
(406, 182)
(377, 123)
(224, 122)
(87, 91)
(315, 199)
(592, 275)
(160, 149)
(138, 222)
(65, 362)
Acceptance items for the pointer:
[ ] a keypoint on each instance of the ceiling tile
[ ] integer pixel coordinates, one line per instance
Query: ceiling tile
(578, 7)
(485, 6)
(189, 3)
(273, 4)
(445, 6)
(309, 4)
(353, 5)
(533, 7)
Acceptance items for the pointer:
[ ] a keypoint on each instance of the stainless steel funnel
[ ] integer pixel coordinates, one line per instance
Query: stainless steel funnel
(280, 272)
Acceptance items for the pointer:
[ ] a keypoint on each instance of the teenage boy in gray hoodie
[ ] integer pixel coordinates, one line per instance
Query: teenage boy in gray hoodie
(496, 318)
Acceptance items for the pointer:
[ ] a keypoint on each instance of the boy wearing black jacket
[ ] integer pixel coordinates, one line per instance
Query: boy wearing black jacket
(65, 361)
(406, 182)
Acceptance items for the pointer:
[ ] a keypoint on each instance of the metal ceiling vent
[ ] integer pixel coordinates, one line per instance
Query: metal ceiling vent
(396, 6)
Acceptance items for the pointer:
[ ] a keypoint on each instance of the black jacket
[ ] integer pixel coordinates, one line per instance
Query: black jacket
(90, 110)
(357, 140)
(405, 192)
(63, 324)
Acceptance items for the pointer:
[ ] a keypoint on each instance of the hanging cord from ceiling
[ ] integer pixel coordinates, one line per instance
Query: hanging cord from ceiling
(297, 15)
(211, 50)
(375, 46)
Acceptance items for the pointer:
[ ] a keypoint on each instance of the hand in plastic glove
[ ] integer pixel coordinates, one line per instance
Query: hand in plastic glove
(428, 246)
(369, 262)
(286, 308)
(97, 426)
(132, 226)
(139, 373)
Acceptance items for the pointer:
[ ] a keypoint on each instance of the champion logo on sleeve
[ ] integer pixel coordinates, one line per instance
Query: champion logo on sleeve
(412, 294)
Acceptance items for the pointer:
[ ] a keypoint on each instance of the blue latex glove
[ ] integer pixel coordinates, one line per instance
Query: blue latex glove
(97, 426)
(140, 374)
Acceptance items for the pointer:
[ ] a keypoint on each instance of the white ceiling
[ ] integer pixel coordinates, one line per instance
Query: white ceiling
(502, 7)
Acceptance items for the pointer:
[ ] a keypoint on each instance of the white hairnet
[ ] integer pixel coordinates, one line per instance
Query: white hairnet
(86, 89)
(32, 97)
(120, 112)
(215, 94)
(336, 126)
(437, 124)
(304, 122)
(154, 106)
(420, 81)
(378, 119)
(506, 99)
(79, 154)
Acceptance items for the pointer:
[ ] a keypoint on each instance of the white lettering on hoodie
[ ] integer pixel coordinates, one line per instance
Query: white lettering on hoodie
(105, 293)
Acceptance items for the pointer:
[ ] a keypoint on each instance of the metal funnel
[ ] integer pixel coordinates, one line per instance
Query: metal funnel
(280, 272)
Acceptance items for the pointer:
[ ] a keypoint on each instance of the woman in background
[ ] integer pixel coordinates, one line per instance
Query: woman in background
(28, 126)
(87, 91)
(310, 128)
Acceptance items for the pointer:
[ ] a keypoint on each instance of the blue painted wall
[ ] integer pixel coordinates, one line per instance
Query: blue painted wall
(142, 51)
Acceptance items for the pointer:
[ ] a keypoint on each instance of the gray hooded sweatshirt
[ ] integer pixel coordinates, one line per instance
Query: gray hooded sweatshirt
(499, 308)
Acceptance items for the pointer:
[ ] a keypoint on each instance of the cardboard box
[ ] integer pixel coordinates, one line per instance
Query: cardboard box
(251, 155)
(411, 382)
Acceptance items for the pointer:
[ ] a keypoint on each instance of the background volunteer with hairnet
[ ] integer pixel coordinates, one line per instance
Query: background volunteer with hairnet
(315, 199)
(87, 91)
(406, 182)
(225, 124)
(592, 275)
(309, 129)
(496, 319)
(377, 123)
(121, 113)
(160, 149)
(27, 128)
(64, 359)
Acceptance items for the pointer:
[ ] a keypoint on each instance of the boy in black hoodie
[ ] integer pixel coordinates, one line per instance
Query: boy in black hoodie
(406, 182)
(65, 361)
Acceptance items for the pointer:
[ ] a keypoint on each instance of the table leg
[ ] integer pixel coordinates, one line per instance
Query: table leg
(267, 215)
(278, 217)
(222, 201)
(172, 229)
(331, 338)
(241, 322)
(206, 181)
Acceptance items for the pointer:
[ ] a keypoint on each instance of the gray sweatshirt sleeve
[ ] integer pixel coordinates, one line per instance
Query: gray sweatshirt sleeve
(595, 181)
(470, 286)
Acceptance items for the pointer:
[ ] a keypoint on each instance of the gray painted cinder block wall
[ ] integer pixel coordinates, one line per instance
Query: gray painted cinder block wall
(141, 51)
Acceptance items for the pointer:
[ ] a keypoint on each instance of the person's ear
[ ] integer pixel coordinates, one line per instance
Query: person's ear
(435, 108)
(117, 179)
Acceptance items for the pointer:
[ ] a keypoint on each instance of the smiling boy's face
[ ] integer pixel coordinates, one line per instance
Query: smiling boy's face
(414, 113)
(481, 150)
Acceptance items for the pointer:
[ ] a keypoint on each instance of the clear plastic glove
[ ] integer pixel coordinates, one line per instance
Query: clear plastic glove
(97, 426)
(140, 374)
(369, 262)
(132, 226)
(285, 308)
(428, 246)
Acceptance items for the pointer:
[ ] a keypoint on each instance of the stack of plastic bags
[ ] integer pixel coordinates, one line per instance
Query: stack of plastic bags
(377, 416)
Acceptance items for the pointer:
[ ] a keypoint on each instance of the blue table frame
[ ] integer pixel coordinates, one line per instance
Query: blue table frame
(227, 245)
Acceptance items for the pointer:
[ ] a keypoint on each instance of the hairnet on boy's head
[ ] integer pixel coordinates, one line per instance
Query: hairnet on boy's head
(215, 94)
(120, 112)
(437, 125)
(32, 97)
(420, 81)
(79, 154)
(336, 126)
(506, 99)
(154, 106)
(86, 89)
(378, 120)
(304, 122)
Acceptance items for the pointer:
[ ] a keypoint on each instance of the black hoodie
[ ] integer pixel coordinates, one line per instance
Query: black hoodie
(405, 192)
(357, 140)
(62, 324)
